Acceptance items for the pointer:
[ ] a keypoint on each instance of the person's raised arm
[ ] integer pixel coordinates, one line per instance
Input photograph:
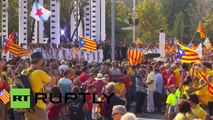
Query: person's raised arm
(204, 85)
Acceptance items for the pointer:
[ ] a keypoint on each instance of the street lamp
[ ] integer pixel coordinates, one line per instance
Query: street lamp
(113, 29)
(133, 18)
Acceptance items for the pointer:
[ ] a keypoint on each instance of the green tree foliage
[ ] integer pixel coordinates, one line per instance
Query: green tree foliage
(121, 18)
(151, 19)
(179, 25)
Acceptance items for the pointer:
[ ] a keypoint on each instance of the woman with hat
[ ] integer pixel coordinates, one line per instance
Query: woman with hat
(99, 84)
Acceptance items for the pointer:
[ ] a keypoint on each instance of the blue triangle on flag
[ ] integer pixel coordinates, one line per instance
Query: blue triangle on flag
(180, 53)
(81, 42)
(4, 41)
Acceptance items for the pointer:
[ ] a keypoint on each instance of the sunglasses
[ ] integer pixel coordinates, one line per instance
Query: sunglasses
(114, 114)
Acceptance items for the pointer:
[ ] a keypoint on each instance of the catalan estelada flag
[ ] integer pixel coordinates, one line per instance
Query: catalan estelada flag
(203, 76)
(4, 96)
(17, 50)
(138, 42)
(207, 44)
(9, 41)
(200, 30)
(187, 55)
(135, 56)
(87, 44)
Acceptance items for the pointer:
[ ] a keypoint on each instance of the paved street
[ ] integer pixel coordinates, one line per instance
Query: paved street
(149, 116)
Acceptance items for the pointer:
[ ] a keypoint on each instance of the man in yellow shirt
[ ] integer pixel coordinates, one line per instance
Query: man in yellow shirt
(151, 87)
(197, 111)
(176, 70)
(37, 78)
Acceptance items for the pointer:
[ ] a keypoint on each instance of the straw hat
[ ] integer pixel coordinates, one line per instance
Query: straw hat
(99, 77)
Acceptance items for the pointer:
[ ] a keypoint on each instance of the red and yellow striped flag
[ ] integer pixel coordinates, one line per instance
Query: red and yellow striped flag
(203, 76)
(17, 50)
(135, 57)
(138, 42)
(4, 96)
(200, 30)
(87, 44)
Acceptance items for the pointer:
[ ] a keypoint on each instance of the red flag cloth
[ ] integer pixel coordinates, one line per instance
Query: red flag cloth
(9, 41)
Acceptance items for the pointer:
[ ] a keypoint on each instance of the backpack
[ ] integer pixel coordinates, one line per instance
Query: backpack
(21, 81)
(75, 107)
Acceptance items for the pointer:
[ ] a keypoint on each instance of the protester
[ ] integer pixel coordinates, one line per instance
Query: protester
(128, 116)
(172, 101)
(197, 111)
(183, 108)
(118, 111)
(75, 106)
(159, 89)
(150, 82)
(140, 92)
(37, 85)
(106, 107)
(52, 109)
(89, 103)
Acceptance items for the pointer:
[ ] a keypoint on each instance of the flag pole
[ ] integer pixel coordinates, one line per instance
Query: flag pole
(194, 33)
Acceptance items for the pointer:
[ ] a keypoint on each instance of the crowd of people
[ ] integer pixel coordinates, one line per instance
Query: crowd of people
(156, 83)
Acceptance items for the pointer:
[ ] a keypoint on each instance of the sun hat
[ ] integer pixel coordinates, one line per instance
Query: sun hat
(99, 77)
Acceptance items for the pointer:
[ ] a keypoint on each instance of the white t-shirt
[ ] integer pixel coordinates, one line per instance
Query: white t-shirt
(55, 53)
(85, 55)
(61, 54)
(90, 57)
(67, 53)
(100, 55)
(95, 56)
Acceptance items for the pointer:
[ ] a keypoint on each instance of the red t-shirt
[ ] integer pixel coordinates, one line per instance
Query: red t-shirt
(126, 81)
(165, 77)
(99, 86)
(89, 83)
(89, 98)
(3, 86)
(171, 80)
(53, 113)
(83, 77)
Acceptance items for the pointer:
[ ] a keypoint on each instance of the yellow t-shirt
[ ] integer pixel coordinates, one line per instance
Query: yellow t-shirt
(37, 79)
(119, 88)
(199, 112)
(72, 72)
(203, 95)
(177, 76)
(181, 116)
(129, 71)
(186, 91)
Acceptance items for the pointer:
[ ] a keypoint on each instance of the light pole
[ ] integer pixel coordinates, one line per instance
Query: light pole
(113, 29)
(133, 19)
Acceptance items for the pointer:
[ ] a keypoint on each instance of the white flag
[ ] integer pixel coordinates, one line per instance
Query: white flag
(199, 50)
(40, 13)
